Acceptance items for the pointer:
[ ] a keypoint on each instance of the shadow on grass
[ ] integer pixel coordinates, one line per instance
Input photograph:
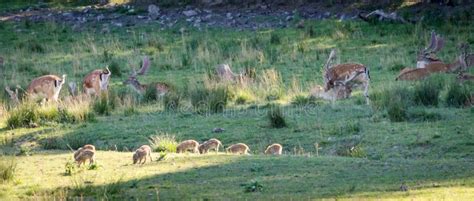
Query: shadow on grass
(293, 177)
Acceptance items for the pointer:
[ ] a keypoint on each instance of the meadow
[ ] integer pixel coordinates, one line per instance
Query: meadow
(417, 134)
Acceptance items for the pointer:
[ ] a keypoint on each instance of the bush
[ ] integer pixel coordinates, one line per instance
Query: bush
(397, 112)
(25, 115)
(104, 105)
(427, 91)
(253, 186)
(209, 98)
(114, 68)
(387, 97)
(276, 117)
(70, 168)
(163, 142)
(244, 97)
(302, 100)
(7, 169)
(171, 101)
(150, 95)
(422, 115)
(457, 95)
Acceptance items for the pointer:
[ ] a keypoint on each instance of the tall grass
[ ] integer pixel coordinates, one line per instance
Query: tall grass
(276, 117)
(209, 97)
(457, 95)
(7, 168)
(163, 142)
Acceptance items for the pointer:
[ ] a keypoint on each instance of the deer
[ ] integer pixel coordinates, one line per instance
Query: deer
(47, 86)
(274, 149)
(95, 82)
(347, 74)
(161, 88)
(428, 54)
(212, 143)
(141, 153)
(431, 68)
(239, 148)
(336, 93)
(13, 95)
(225, 73)
(462, 77)
(188, 145)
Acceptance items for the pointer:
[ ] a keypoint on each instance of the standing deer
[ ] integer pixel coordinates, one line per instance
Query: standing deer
(47, 86)
(224, 73)
(96, 81)
(428, 55)
(161, 88)
(348, 74)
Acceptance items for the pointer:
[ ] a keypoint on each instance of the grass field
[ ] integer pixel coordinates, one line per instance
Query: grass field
(363, 153)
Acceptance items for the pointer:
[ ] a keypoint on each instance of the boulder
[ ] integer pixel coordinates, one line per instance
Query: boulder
(153, 11)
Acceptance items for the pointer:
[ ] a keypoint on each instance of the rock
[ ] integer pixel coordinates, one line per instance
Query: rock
(190, 13)
(229, 15)
(218, 130)
(153, 11)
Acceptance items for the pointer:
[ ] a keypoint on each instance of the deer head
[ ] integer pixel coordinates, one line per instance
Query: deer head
(327, 66)
(132, 78)
(104, 79)
(13, 95)
(428, 54)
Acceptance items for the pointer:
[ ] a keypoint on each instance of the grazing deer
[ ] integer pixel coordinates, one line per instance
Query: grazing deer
(208, 145)
(96, 81)
(47, 86)
(13, 95)
(274, 149)
(188, 145)
(239, 148)
(161, 88)
(224, 73)
(85, 154)
(428, 55)
(349, 75)
(141, 153)
(85, 147)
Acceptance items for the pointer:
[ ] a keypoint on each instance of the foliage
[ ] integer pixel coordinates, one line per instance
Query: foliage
(457, 95)
(8, 168)
(23, 115)
(276, 117)
(211, 98)
(253, 186)
(163, 142)
(427, 91)
(70, 168)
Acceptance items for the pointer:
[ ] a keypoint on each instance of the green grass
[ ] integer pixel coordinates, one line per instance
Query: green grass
(363, 153)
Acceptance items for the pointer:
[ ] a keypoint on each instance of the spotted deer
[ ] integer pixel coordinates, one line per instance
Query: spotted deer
(188, 145)
(274, 149)
(96, 81)
(84, 155)
(13, 95)
(47, 86)
(211, 144)
(428, 54)
(141, 153)
(349, 75)
(239, 148)
(431, 68)
(161, 88)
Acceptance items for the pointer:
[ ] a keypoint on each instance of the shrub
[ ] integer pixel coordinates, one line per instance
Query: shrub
(151, 94)
(209, 98)
(276, 117)
(427, 91)
(114, 68)
(52, 143)
(385, 98)
(275, 39)
(171, 101)
(253, 186)
(243, 97)
(24, 115)
(397, 112)
(70, 168)
(7, 169)
(302, 100)
(130, 110)
(103, 105)
(163, 142)
(356, 152)
(422, 115)
(457, 95)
